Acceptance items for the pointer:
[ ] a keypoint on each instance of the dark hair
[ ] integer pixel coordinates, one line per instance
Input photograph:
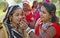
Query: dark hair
(40, 3)
(34, 2)
(51, 8)
(10, 12)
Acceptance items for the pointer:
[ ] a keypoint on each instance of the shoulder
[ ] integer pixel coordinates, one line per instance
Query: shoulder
(3, 32)
(51, 31)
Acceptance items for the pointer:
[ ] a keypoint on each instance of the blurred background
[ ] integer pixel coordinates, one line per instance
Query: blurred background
(6, 3)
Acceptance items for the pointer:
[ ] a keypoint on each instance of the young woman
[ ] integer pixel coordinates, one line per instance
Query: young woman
(37, 15)
(12, 27)
(28, 14)
(34, 6)
(35, 3)
(48, 28)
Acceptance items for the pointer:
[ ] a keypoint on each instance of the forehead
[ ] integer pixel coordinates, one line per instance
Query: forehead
(18, 11)
(43, 8)
(25, 4)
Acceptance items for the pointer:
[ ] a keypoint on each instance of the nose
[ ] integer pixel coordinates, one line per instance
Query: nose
(20, 17)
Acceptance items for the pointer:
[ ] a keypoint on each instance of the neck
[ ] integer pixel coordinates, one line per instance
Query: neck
(47, 21)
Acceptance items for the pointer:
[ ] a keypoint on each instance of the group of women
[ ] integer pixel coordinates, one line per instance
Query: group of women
(39, 21)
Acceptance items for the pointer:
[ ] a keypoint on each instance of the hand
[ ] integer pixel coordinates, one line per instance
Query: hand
(39, 21)
(23, 25)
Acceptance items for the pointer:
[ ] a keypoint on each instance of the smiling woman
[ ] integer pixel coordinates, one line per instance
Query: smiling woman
(11, 23)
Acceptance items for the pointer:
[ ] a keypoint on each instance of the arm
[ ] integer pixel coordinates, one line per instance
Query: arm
(50, 33)
(32, 35)
(2, 33)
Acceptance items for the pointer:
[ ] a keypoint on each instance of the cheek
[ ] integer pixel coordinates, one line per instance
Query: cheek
(14, 19)
(46, 17)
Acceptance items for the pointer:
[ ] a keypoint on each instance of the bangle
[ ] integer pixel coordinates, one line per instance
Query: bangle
(28, 30)
(31, 30)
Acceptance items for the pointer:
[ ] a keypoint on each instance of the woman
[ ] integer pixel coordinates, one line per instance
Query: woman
(37, 15)
(48, 28)
(34, 6)
(35, 3)
(29, 16)
(12, 27)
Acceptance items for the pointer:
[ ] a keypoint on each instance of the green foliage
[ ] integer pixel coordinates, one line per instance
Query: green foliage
(40, 0)
(59, 1)
(17, 1)
(3, 4)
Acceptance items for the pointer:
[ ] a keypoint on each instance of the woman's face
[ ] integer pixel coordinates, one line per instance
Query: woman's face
(17, 16)
(36, 4)
(25, 6)
(44, 14)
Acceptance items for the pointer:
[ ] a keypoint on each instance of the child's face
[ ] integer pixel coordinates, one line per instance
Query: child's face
(44, 14)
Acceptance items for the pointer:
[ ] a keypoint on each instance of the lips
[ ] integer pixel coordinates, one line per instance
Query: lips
(20, 19)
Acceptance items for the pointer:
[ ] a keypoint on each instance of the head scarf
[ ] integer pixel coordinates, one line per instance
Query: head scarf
(9, 10)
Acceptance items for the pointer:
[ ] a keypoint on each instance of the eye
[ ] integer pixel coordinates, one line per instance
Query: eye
(43, 12)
